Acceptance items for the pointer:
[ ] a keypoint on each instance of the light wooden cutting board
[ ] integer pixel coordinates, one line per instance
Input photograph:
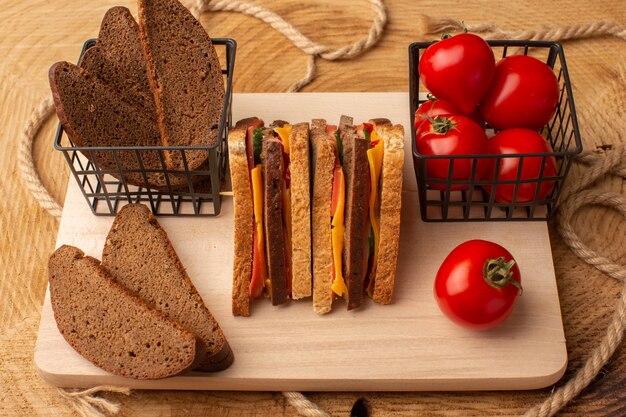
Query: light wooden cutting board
(408, 345)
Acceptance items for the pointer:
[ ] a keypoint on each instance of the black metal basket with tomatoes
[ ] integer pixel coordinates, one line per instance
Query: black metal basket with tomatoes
(494, 128)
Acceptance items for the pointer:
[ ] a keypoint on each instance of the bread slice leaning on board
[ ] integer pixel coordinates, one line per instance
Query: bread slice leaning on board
(109, 311)
(139, 256)
(321, 219)
(109, 325)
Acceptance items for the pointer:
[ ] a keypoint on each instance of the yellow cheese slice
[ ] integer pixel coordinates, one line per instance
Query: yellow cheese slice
(375, 158)
(284, 133)
(339, 286)
(257, 193)
(257, 203)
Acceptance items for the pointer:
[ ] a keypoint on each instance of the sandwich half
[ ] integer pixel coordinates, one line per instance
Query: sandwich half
(327, 215)
(386, 161)
(270, 180)
(357, 176)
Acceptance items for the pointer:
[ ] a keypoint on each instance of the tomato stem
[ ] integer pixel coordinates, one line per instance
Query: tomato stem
(442, 124)
(497, 273)
(430, 97)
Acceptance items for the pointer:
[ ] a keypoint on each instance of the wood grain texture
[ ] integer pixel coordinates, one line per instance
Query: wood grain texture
(36, 33)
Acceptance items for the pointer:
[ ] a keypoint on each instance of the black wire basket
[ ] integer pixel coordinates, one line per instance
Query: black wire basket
(474, 199)
(181, 191)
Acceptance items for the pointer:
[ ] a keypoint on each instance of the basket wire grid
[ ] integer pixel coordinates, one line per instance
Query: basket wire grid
(474, 199)
(106, 188)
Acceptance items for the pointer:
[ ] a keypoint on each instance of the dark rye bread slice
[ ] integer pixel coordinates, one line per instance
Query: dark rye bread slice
(117, 59)
(139, 255)
(111, 327)
(185, 77)
(92, 114)
(273, 213)
(355, 242)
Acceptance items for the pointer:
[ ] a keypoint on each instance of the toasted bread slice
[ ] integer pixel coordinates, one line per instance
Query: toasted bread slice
(300, 211)
(322, 165)
(110, 326)
(243, 218)
(138, 255)
(391, 197)
(93, 114)
(185, 76)
(117, 59)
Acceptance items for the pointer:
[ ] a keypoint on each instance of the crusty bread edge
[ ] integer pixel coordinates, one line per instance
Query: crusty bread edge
(140, 303)
(243, 219)
(153, 79)
(300, 211)
(219, 361)
(391, 199)
(58, 104)
(323, 160)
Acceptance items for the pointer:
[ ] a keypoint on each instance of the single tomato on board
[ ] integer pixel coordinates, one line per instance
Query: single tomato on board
(477, 284)
(529, 168)
(455, 136)
(524, 92)
(458, 69)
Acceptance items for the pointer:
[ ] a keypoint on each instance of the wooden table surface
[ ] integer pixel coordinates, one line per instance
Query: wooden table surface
(36, 33)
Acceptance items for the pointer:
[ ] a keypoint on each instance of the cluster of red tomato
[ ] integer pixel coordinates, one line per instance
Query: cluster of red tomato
(517, 97)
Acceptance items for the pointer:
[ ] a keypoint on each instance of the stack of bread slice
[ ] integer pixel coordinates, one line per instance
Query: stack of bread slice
(157, 82)
(136, 314)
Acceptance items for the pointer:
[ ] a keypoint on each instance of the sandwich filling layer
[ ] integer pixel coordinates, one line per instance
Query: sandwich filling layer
(375, 159)
(282, 133)
(259, 268)
(337, 215)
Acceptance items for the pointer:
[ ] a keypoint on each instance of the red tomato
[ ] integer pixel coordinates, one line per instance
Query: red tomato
(477, 284)
(458, 70)
(451, 135)
(524, 93)
(364, 127)
(512, 141)
(435, 107)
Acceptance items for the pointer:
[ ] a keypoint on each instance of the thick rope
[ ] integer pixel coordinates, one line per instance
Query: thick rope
(88, 405)
(575, 197)
(305, 407)
(302, 42)
(40, 114)
(579, 31)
